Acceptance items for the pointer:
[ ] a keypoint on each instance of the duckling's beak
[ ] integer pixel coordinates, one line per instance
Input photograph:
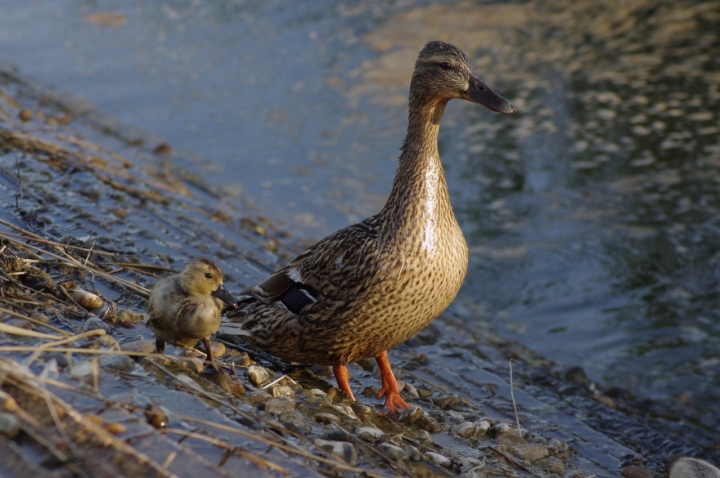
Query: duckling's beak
(222, 294)
(479, 92)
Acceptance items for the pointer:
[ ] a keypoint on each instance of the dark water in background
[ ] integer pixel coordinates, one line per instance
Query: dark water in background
(592, 216)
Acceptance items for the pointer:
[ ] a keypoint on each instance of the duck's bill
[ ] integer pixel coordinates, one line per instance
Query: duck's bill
(222, 294)
(480, 93)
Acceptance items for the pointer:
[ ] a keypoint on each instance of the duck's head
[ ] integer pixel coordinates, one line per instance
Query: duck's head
(202, 277)
(443, 72)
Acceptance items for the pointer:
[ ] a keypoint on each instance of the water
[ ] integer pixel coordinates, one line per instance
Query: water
(592, 215)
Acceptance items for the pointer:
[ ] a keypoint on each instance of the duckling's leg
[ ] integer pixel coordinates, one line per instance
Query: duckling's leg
(389, 385)
(208, 349)
(160, 346)
(341, 375)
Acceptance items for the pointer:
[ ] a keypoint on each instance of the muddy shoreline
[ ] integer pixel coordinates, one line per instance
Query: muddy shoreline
(90, 204)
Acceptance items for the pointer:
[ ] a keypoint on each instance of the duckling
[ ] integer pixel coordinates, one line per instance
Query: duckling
(185, 308)
(370, 286)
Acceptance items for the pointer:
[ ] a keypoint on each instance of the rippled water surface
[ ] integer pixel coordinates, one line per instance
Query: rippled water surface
(592, 215)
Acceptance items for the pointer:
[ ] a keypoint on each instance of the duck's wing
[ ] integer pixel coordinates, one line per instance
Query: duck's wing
(329, 270)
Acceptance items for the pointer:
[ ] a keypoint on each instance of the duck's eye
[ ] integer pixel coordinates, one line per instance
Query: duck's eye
(208, 275)
(446, 65)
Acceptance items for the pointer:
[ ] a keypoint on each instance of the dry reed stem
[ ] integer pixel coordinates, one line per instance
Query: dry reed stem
(11, 329)
(42, 348)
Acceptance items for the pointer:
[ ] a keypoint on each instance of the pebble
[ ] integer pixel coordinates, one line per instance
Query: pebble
(61, 359)
(218, 348)
(554, 466)
(223, 380)
(482, 426)
(338, 434)
(558, 448)
(346, 410)
(83, 371)
(411, 391)
(438, 459)
(107, 342)
(692, 467)
(392, 451)
(341, 449)
(298, 425)
(411, 415)
(499, 429)
(424, 437)
(117, 362)
(282, 391)
(369, 434)
(258, 375)
(531, 453)
(429, 424)
(326, 418)
(456, 415)
(634, 471)
(141, 346)
(187, 380)
(87, 300)
(316, 392)
(93, 323)
(242, 359)
(258, 396)
(156, 416)
(9, 425)
(25, 114)
(401, 385)
(115, 428)
(438, 415)
(276, 406)
(194, 364)
(8, 403)
(464, 430)
(449, 402)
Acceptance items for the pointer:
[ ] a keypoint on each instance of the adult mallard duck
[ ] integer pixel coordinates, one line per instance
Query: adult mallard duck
(372, 285)
(185, 307)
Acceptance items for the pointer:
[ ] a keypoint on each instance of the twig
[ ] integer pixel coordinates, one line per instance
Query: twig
(42, 348)
(11, 329)
(512, 397)
(17, 164)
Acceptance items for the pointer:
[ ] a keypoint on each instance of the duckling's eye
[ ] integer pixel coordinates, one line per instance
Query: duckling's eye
(208, 275)
(446, 65)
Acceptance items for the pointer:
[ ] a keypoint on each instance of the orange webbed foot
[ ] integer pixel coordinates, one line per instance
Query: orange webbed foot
(389, 388)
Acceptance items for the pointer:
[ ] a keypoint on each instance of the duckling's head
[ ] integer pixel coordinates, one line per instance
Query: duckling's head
(202, 277)
(443, 72)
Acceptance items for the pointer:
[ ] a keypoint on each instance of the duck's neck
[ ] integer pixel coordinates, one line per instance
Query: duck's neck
(419, 197)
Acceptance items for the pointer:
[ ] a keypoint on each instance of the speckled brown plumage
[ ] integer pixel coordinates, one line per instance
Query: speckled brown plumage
(185, 307)
(372, 285)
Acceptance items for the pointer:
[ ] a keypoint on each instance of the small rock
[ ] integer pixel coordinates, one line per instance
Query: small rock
(258, 396)
(9, 425)
(341, 449)
(411, 415)
(438, 415)
(61, 359)
(556, 467)
(456, 415)
(218, 348)
(449, 402)
(346, 410)
(511, 439)
(107, 342)
(242, 359)
(424, 437)
(189, 381)
(115, 428)
(8, 403)
(326, 418)
(482, 426)
(424, 392)
(558, 448)
(531, 453)
(499, 429)
(316, 392)
(83, 371)
(87, 300)
(338, 434)
(194, 364)
(156, 416)
(223, 380)
(429, 424)
(117, 362)
(634, 471)
(369, 434)
(604, 399)
(464, 430)
(93, 323)
(257, 375)
(392, 451)
(411, 391)
(140, 346)
(298, 425)
(282, 391)
(686, 466)
(276, 406)
(25, 114)
(438, 459)
(401, 385)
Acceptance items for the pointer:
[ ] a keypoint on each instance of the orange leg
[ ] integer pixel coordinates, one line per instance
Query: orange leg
(389, 385)
(341, 375)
